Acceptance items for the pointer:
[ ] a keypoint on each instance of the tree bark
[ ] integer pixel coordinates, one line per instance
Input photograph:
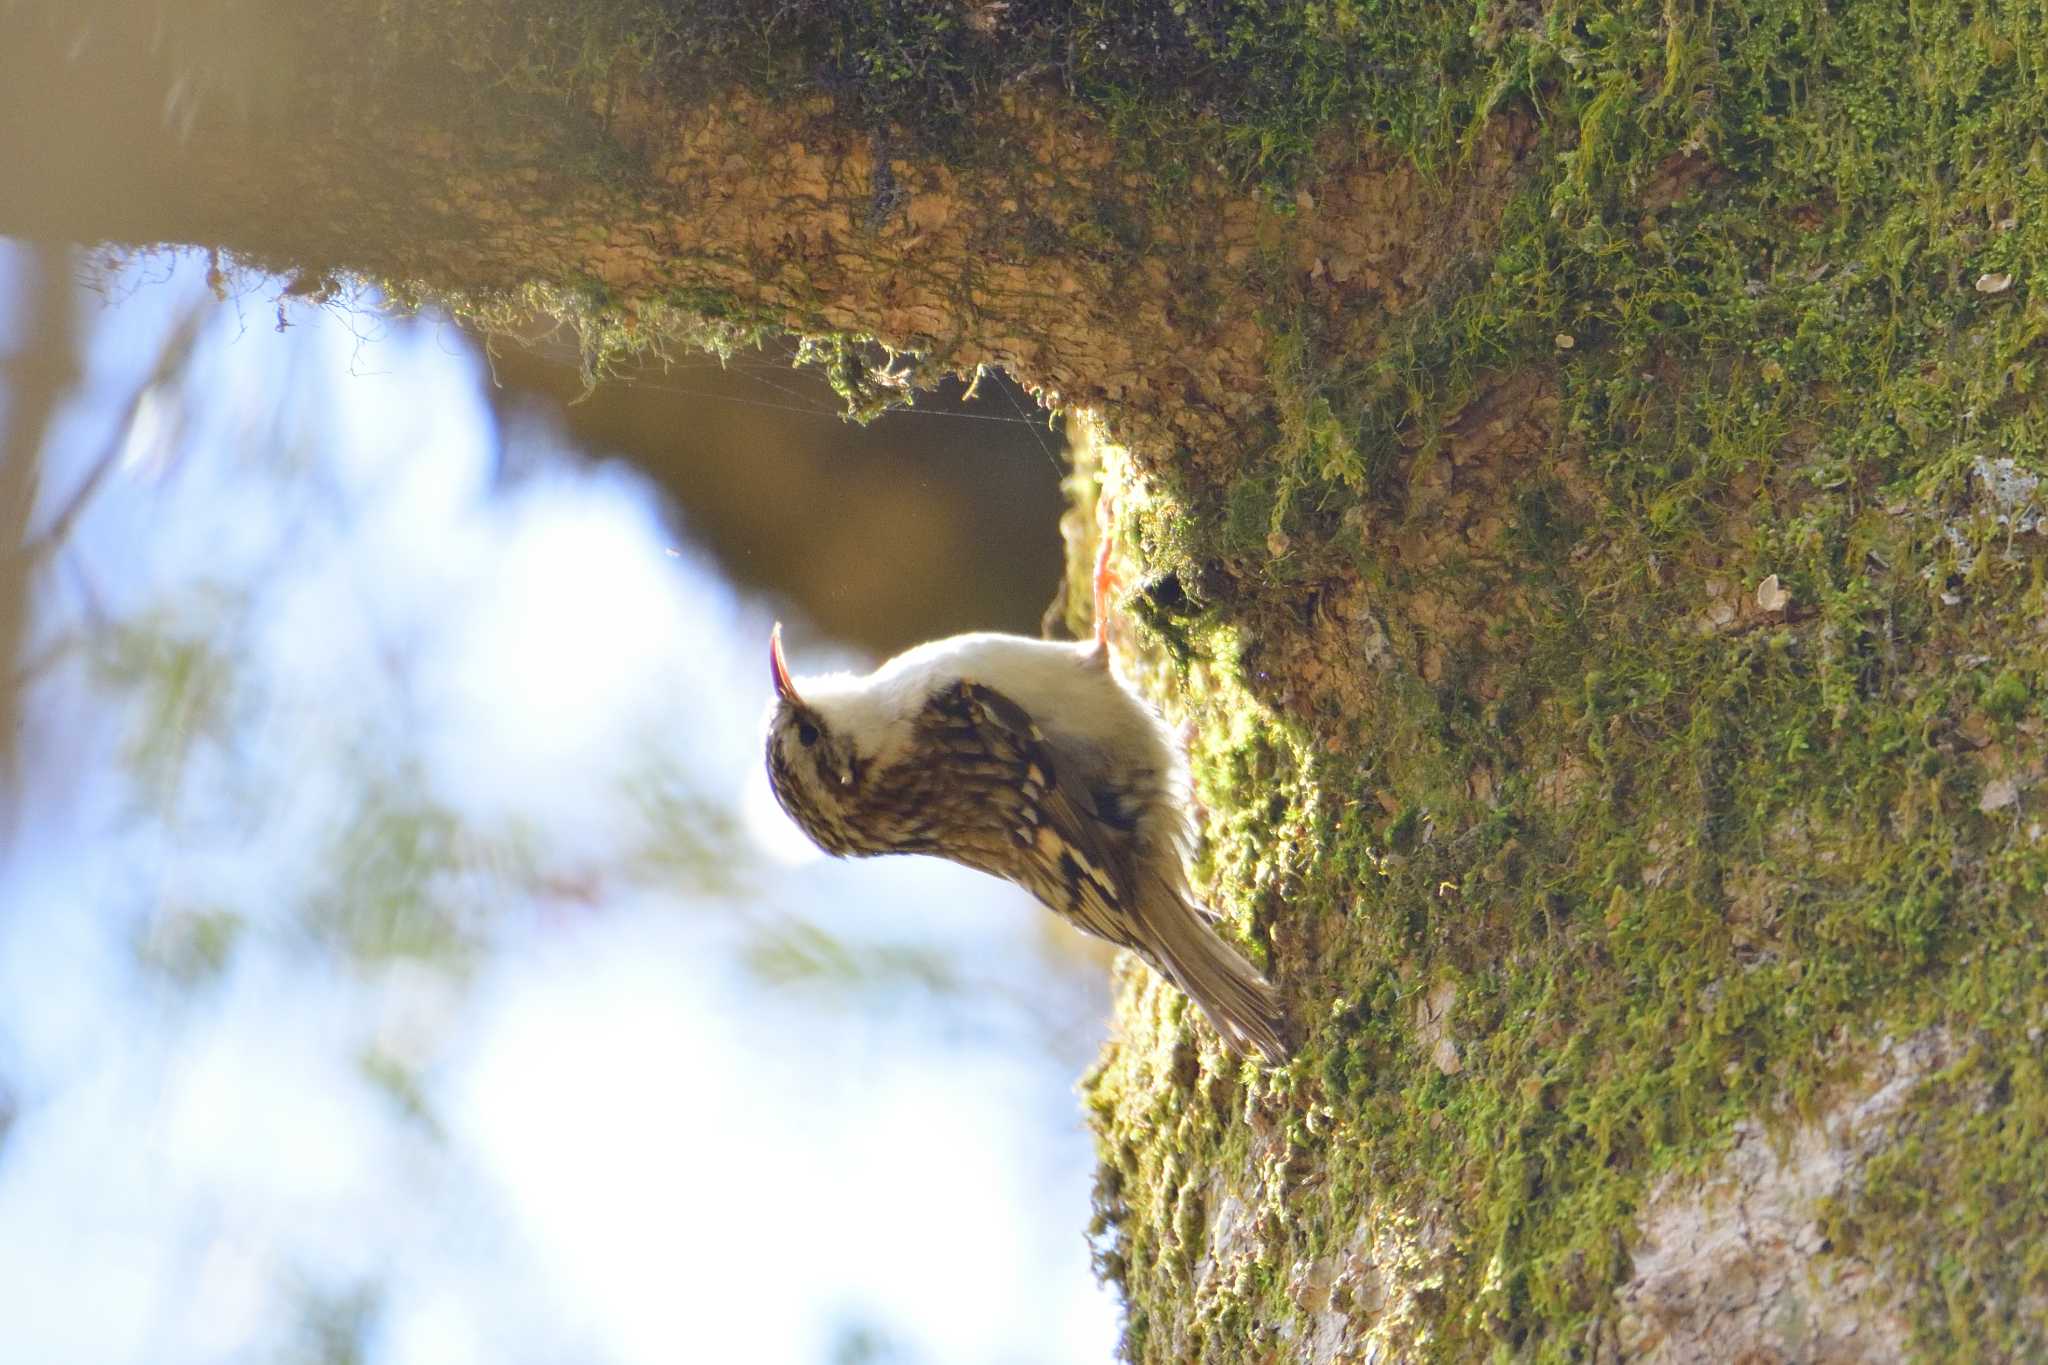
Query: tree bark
(1028, 244)
(1583, 491)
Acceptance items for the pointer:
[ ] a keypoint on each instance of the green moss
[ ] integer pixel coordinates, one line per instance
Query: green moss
(1713, 844)
(2008, 696)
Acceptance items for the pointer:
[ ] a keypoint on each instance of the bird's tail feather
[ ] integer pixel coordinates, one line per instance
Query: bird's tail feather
(1242, 1004)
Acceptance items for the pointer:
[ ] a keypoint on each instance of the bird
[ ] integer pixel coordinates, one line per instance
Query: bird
(1032, 761)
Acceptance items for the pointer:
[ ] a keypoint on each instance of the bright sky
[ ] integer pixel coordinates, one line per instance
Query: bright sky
(634, 1150)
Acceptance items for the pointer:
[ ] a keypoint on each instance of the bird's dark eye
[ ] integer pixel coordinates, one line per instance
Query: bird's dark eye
(806, 733)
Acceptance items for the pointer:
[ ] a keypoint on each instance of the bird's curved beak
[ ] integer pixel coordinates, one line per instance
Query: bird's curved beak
(784, 688)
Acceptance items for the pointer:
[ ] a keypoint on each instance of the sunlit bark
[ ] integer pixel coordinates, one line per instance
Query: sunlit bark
(1043, 252)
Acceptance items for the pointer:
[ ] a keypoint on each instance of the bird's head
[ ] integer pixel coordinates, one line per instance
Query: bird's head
(813, 768)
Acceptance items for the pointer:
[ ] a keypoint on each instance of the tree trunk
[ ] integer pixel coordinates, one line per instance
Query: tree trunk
(1577, 469)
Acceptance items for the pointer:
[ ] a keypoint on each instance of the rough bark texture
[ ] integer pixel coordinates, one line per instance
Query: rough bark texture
(1578, 471)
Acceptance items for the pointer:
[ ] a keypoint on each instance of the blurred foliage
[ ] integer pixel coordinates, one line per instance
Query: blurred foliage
(190, 946)
(180, 675)
(334, 1326)
(272, 827)
(863, 1344)
(393, 882)
(690, 838)
(797, 952)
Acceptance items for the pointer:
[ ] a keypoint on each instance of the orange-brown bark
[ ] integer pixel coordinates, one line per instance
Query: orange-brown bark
(1032, 243)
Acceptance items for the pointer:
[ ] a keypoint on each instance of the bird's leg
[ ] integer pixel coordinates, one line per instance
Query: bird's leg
(1105, 581)
(1105, 578)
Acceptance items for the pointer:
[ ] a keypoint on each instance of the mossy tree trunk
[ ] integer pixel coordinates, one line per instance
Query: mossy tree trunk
(1580, 470)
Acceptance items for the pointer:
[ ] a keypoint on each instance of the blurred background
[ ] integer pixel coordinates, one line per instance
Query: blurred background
(401, 959)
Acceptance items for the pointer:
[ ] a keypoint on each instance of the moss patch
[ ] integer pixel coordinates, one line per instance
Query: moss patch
(1492, 700)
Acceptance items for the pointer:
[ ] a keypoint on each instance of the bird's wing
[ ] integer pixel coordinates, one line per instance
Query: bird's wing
(997, 790)
(990, 790)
